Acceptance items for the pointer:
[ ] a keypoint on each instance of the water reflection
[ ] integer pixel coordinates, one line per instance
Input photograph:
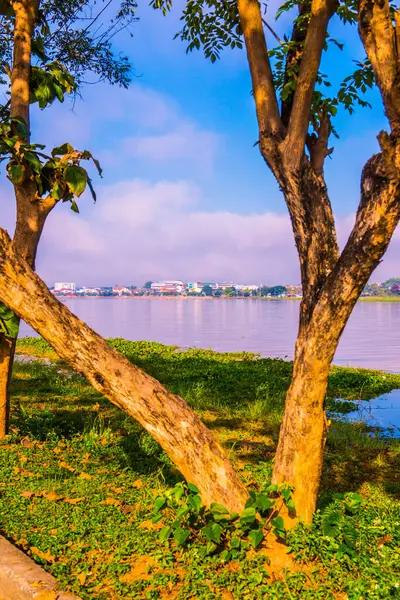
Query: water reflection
(371, 338)
(383, 412)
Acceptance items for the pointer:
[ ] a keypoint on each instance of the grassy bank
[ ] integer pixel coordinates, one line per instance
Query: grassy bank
(379, 299)
(78, 481)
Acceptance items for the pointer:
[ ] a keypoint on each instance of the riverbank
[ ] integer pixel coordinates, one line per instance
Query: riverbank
(379, 299)
(78, 481)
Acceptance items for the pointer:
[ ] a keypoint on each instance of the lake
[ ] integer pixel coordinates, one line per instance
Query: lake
(371, 338)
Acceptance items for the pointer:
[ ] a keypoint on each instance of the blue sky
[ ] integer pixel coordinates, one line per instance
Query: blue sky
(185, 193)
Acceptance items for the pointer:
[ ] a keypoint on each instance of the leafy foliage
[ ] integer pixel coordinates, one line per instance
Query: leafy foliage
(58, 176)
(9, 322)
(211, 26)
(214, 528)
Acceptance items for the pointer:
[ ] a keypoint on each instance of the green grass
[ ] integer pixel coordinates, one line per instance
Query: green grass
(379, 299)
(78, 480)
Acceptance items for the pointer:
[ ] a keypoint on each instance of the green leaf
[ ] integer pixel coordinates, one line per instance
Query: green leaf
(248, 515)
(61, 150)
(225, 556)
(218, 509)
(16, 173)
(159, 504)
(235, 543)
(279, 524)
(9, 322)
(349, 534)
(255, 537)
(213, 532)
(195, 502)
(76, 179)
(165, 532)
(182, 511)
(33, 160)
(74, 206)
(264, 503)
(181, 535)
(57, 191)
(191, 486)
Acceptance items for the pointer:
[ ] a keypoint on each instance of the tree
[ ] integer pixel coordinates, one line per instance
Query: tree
(230, 292)
(62, 54)
(147, 285)
(264, 290)
(277, 290)
(207, 290)
(295, 123)
(190, 445)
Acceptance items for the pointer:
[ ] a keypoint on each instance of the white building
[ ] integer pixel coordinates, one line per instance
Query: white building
(64, 286)
(167, 286)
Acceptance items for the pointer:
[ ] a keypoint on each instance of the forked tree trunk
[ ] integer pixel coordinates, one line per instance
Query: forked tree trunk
(168, 419)
(302, 437)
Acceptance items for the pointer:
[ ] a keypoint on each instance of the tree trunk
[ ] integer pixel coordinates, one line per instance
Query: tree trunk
(7, 347)
(302, 437)
(31, 217)
(190, 445)
(31, 212)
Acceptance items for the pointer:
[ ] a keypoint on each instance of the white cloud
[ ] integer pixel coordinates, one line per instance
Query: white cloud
(141, 231)
(187, 143)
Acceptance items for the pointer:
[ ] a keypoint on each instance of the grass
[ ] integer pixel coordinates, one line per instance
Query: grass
(379, 299)
(78, 480)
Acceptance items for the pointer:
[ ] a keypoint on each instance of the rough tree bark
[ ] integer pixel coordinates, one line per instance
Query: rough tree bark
(31, 211)
(168, 419)
(331, 282)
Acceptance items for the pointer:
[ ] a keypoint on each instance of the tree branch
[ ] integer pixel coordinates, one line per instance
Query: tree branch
(268, 117)
(317, 144)
(293, 59)
(380, 36)
(321, 12)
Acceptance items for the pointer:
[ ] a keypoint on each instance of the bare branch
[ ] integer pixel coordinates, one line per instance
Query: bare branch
(321, 12)
(269, 120)
(276, 36)
(380, 39)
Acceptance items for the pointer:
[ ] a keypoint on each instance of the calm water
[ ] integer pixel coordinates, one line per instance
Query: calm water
(381, 412)
(371, 338)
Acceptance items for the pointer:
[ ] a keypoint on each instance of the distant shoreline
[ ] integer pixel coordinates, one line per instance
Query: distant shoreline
(263, 298)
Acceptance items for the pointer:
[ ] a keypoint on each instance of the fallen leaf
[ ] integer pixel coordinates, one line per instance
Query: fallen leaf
(111, 502)
(82, 578)
(116, 490)
(27, 494)
(137, 484)
(150, 525)
(44, 555)
(51, 496)
(64, 465)
(23, 459)
(53, 531)
(26, 442)
(74, 500)
(56, 450)
(86, 476)
(16, 470)
(86, 457)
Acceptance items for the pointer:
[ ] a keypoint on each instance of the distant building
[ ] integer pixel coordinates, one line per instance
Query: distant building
(64, 286)
(167, 287)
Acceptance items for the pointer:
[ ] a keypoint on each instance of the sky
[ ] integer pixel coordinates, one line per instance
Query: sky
(185, 193)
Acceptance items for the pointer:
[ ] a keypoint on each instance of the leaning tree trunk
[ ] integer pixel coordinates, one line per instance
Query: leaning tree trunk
(190, 445)
(302, 437)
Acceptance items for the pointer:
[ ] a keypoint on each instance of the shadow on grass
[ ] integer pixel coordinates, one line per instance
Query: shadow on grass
(231, 392)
